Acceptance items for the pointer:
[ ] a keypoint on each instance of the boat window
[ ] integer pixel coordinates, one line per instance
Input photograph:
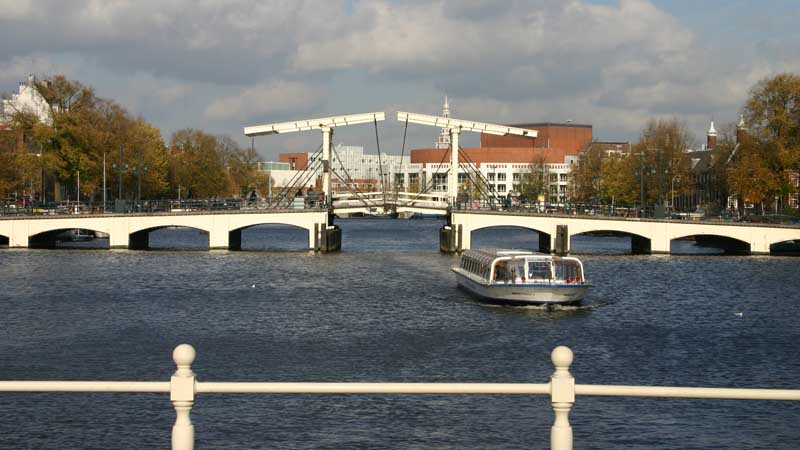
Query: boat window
(539, 270)
(567, 270)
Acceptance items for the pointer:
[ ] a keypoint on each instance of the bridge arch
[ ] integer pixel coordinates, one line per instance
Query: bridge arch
(139, 237)
(728, 244)
(4, 240)
(545, 239)
(788, 247)
(639, 244)
(51, 237)
(288, 232)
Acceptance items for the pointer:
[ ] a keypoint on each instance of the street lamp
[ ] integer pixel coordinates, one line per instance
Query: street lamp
(138, 172)
(672, 191)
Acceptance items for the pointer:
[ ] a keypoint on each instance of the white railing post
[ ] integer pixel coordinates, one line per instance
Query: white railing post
(562, 396)
(181, 393)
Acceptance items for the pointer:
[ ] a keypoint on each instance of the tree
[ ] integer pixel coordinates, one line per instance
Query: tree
(661, 151)
(772, 116)
(534, 182)
(197, 164)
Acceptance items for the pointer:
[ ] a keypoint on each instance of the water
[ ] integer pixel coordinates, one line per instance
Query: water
(386, 309)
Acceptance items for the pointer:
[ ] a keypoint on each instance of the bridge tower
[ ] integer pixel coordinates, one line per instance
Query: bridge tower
(330, 235)
(449, 237)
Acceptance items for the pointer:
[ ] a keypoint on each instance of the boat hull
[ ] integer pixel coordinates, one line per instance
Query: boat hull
(523, 294)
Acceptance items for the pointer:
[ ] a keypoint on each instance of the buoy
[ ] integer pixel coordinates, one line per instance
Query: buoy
(738, 314)
(253, 286)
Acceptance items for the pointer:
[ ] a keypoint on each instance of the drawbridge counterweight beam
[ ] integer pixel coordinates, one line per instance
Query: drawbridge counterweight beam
(326, 125)
(455, 127)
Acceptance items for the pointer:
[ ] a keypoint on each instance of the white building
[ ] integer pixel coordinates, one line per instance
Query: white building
(351, 164)
(502, 178)
(28, 99)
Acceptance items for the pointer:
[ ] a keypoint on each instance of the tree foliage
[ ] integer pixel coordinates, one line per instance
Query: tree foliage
(770, 151)
(85, 130)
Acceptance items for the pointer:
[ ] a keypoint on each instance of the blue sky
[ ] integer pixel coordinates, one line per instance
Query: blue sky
(223, 65)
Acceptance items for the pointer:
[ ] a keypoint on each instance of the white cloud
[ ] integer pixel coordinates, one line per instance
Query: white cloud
(266, 99)
(215, 64)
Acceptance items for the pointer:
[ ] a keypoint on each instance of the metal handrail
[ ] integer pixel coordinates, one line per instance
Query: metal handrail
(562, 391)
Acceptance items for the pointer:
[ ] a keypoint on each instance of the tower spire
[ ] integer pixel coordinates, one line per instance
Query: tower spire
(443, 141)
(711, 135)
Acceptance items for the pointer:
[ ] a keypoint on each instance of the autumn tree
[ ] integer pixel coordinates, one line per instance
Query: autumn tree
(81, 131)
(662, 159)
(534, 182)
(772, 147)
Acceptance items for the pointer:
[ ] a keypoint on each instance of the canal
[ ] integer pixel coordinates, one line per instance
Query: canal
(386, 309)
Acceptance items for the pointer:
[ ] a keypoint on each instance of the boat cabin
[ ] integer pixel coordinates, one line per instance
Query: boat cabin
(521, 266)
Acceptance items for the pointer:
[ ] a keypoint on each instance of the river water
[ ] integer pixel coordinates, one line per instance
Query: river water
(386, 309)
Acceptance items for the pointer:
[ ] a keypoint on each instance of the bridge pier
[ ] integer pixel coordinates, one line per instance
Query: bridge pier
(218, 238)
(325, 238)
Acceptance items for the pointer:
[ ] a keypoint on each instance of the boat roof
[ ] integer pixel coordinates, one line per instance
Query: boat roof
(492, 253)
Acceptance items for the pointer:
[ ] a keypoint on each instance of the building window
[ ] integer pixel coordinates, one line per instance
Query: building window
(563, 177)
(516, 177)
(490, 176)
(501, 188)
(554, 178)
(501, 177)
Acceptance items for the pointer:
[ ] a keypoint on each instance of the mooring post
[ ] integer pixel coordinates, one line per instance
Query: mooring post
(562, 397)
(181, 393)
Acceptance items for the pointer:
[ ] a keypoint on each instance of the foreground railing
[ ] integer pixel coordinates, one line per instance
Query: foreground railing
(562, 390)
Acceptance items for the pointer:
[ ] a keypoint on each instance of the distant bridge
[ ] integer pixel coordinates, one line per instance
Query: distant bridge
(387, 202)
(224, 228)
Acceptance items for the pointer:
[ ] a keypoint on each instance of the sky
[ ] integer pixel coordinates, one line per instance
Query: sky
(221, 65)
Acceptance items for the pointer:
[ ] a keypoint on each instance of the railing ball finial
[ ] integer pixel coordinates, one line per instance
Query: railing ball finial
(184, 355)
(562, 358)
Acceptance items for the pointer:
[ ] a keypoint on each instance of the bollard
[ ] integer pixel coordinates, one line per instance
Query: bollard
(181, 393)
(562, 396)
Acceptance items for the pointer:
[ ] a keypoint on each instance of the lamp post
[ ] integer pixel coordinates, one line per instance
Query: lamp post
(138, 171)
(672, 191)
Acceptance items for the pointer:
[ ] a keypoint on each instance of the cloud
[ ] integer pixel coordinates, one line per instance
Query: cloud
(266, 99)
(223, 64)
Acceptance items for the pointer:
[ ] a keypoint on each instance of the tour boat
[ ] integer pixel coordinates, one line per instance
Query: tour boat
(521, 277)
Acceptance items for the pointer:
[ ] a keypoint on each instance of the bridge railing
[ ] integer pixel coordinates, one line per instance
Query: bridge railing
(183, 387)
(144, 206)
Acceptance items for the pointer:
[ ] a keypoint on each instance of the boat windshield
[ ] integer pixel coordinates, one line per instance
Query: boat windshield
(539, 270)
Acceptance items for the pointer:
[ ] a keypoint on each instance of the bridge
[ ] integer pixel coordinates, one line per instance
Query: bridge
(389, 202)
(224, 228)
(647, 235)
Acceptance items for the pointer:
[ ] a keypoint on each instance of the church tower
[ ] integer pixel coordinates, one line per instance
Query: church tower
(444, 136)
(711, 136)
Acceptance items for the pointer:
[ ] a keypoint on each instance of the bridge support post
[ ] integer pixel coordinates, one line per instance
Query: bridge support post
(235, 239)
(18, 237)
(562, 240)
(331, 238)
(313, 238)
(447, 239)
(218, 239)
(139, 240)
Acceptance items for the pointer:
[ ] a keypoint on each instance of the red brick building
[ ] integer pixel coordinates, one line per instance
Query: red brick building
(554, 143)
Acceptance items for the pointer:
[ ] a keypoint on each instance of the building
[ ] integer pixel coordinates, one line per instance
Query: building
(351, 167)
(27, 99)
(503, 161)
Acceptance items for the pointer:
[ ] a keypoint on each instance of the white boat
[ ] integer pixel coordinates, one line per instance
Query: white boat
(521, 277)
